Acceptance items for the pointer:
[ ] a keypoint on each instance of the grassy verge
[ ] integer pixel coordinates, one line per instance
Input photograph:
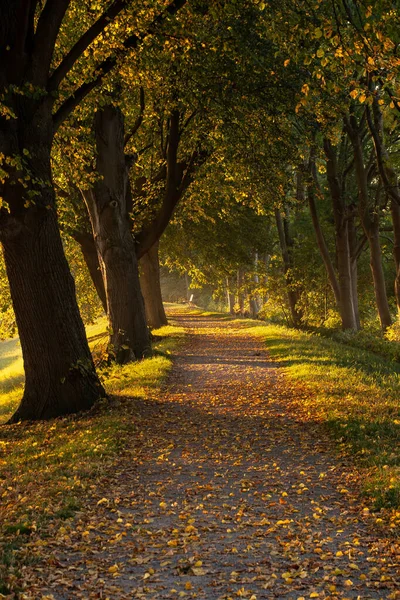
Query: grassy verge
(47, 468)
(355, 394)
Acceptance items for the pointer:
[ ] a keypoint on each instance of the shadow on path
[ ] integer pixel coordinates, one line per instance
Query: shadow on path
(222, 494)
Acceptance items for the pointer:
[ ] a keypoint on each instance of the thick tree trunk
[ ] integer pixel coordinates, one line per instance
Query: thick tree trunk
(292, 294)
(60, 377)
(90, 256)
(106, 203)
(151, 288)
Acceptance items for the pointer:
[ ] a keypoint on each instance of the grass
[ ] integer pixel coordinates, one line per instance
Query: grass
(354, 393)
(48, 468)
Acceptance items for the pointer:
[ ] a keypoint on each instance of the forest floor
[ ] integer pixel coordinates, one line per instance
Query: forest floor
(224, 491)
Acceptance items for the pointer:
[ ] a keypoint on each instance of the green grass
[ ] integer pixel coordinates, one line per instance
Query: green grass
(354, 393)
(48, 468)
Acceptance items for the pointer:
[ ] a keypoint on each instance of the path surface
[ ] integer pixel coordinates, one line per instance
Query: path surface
(225, 496)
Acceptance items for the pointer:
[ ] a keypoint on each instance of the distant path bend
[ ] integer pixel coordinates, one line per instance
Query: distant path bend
(226, 496)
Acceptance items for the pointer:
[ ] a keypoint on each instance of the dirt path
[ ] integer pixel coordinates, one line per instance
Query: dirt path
(222, 495)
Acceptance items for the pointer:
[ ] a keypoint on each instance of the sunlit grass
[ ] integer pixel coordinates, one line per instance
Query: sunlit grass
(11, 377)
(353, 392)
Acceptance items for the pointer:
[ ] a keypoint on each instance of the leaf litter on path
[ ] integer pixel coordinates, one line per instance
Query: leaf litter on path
(222, 494)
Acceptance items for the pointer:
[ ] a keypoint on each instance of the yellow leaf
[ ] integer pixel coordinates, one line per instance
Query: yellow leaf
(113, 569)
(318, 33)
(198, 571)
(354, 94)
(287, 61)
(320, 52)
(188, 585)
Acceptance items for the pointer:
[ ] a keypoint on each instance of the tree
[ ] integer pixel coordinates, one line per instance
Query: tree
(60, 375)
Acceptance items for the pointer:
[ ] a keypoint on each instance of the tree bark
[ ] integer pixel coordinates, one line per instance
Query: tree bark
(106, 203)
(395, 212)
(292, 294)
(151, 288)
(60, 377)
(89, 252)
(353, 248)
(230, 298)
(390, 182)
(323, 248)
(370, 224)
(240, 291)
(346, 300)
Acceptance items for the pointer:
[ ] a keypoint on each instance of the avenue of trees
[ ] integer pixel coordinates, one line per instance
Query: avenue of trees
(250, 147)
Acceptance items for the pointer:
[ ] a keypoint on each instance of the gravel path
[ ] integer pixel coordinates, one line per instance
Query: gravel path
(223, 494)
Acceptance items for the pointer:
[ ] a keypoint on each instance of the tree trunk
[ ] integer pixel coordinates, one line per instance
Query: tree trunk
(370, 225)
(389, 180)
(151, 288)
(60, 377)
(240, 291)
(323, 248)
(292, 294)
(395, 212)
(352, 235)
(378, 274)
(230, 298)
(346, 303)
(89, 252)
(347, 309)
(106, 203)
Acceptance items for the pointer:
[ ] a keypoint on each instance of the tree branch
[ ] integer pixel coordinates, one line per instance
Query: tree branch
(139, 119)
(109, 63)
(46, 34)
(75, 99)
(82, 44)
